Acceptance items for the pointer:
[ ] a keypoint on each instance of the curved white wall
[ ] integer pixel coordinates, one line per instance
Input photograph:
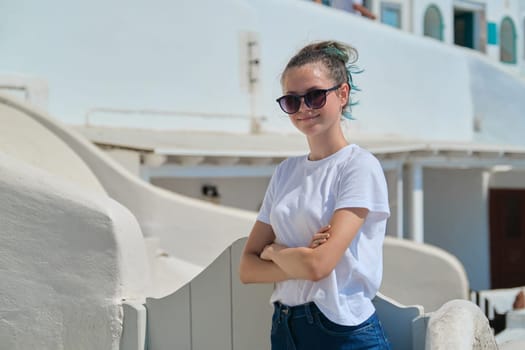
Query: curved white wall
(193, 232)
(25, 139)
(421, 274)
(68, 258)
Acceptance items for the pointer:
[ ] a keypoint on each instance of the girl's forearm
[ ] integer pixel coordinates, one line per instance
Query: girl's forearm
(298, 263)
(253, 269)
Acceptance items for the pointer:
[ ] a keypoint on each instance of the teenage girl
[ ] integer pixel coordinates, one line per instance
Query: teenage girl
(321, 227)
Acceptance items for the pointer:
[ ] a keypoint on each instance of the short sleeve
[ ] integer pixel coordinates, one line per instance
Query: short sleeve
(362, 184)
(266, 207)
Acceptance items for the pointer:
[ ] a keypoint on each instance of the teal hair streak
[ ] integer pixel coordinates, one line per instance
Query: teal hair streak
(350, 69)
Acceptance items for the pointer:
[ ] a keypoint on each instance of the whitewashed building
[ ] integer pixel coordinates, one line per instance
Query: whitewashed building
(182, 94)
(445, 121)
(493, 27)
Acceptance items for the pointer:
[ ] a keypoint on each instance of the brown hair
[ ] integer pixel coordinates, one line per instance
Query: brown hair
(338, 58)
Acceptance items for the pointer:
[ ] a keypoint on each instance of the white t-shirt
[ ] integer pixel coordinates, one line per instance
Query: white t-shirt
(346, 5)
(301, 198)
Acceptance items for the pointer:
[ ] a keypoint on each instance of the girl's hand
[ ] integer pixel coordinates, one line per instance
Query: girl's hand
(320, 237)
(269, 250)
(266, 253)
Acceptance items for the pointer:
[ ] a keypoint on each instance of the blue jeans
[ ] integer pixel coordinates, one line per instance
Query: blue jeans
(304, 327)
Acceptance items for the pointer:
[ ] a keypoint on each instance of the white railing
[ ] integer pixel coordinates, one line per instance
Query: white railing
(148, 117)
(29, 89)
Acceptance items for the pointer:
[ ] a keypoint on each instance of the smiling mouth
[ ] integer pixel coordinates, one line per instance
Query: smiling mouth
(307, 118)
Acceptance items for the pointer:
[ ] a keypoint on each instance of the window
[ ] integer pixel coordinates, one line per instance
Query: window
(433, 23)
(492, 33)
(464, 28)
(507, 39)
(391, 14)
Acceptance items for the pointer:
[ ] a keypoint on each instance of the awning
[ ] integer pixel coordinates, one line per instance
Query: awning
(199, 147)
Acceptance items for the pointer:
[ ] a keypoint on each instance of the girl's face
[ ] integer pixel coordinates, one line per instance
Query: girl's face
(312, 76)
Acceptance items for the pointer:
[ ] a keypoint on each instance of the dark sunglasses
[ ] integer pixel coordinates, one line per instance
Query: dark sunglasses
(314, 99)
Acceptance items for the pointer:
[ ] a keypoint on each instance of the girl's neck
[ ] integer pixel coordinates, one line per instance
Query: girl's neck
(322, 146)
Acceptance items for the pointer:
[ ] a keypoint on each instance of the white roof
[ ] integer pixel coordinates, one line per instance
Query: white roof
(200, 143)
(279, 146)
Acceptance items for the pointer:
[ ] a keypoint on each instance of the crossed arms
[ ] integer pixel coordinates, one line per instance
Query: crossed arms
(263, 261)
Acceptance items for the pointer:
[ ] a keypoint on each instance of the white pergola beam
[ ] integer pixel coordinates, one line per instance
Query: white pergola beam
(206, 171)
(416, 219)
(399, 202)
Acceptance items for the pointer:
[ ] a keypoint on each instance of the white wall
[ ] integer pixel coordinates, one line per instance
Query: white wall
(503, 121)
(496, 11)
(447, 12)
(510, 179)
(397, 85)
(181, 56)
(68, 259)
(128, 159)
(23, 138)
(159, 54)
(406, 12)
(166, 217)
(421, 274)
(459, 223)
(393, 225)
(244, 193)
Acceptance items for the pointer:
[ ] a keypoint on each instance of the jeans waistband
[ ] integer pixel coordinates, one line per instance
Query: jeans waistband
(307, 310)
(301, 310)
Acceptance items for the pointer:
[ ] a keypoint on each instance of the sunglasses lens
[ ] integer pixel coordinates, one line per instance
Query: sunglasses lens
(290, 104)
(315, 99)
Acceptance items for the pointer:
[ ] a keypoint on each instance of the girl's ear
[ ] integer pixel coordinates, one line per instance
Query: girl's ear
(344, 93)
